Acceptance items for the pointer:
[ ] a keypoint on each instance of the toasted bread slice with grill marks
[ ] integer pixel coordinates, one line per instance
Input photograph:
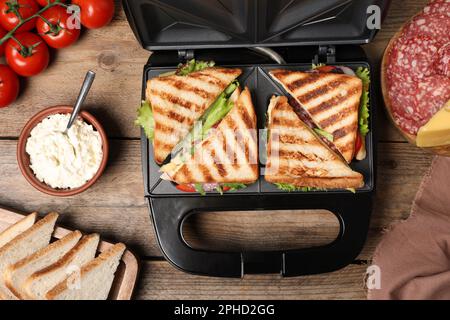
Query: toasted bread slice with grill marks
(229, 154)
(331, 100)
(17, 228)
(297, 157)
(178, 101)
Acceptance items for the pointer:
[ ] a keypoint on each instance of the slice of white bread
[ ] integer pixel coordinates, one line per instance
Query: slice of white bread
(17, 228)
(95, 280)
(38, 284)
(28, 242)
(16, 274)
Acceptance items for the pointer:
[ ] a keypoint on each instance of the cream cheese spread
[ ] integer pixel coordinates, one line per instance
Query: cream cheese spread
(64, 160)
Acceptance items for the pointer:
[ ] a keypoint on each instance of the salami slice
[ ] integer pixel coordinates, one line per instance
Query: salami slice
(403, 97)
(443, 64)
(435, 26)
(415, 57)
(414, 103)
(406, 125)
(404, 106)
(433, 93)
(438, 8)
(403, 100)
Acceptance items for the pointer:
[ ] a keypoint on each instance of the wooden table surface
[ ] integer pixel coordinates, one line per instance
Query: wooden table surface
(115, 207)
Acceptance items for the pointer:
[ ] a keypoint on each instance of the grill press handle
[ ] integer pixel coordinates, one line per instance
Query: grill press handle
(354, 227)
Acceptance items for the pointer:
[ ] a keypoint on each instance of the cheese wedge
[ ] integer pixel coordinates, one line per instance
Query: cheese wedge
(437, 131)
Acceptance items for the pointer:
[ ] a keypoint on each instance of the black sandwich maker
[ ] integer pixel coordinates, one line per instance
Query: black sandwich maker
(237, 33)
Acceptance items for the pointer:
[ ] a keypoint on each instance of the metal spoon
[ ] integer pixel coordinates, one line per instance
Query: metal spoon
(90, 76)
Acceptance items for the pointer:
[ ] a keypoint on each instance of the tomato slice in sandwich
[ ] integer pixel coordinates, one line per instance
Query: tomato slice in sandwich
(358, 143)
(191, 189)
(325, 69)
(186, 188)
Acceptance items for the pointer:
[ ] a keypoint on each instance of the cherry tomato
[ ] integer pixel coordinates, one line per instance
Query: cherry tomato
(57, 35)
(2, 47)
(9, 10)
(30, 58)
(43, 3)
(95, 13)
(9, 86)
(358, 143)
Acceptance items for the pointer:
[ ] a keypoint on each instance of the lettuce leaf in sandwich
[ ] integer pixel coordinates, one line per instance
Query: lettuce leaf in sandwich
(145, 119)
(364, 75)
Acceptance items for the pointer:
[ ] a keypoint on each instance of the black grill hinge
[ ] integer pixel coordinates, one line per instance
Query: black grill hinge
(185, 55)
(326, 54)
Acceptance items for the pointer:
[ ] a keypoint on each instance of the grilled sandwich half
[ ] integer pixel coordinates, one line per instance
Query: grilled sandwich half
(178, 101)
(298, 158)
(329, 102)
(228, 154)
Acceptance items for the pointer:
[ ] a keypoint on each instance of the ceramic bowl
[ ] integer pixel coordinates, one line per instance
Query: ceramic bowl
(24, 159)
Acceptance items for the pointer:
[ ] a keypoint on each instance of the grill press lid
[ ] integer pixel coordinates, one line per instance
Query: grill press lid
(191, 24)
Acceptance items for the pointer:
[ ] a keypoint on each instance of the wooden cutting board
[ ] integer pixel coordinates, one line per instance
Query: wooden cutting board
(126, 275)
(439, 150)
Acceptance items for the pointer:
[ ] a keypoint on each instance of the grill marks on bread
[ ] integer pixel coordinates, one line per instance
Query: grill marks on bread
(178, 101)
(331, 101)
(318, 91)
(229, 154)
(296, 156)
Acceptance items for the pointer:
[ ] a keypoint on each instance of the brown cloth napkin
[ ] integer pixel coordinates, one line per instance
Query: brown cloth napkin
(414, 257)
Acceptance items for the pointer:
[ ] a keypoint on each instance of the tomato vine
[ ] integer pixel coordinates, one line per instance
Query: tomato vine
(38, 15)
